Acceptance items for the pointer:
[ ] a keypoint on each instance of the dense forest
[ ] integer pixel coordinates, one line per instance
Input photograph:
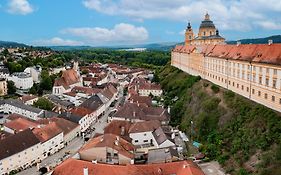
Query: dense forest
(242, 135)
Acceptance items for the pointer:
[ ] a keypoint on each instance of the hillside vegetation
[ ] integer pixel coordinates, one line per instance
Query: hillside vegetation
(243, 136)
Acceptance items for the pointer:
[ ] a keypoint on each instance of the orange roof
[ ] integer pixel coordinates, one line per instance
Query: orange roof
(20, 124)
(81, 111)
(108, 140)
(260, 53)
(75, 167)
(47, 132)
(85, 90)
(144, 126)
(68, 77)
(120, 128)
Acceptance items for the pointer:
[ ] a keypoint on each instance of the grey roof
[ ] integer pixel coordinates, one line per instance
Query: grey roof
(92, 103)
(48, 114)
(57, 100)
(21, 105)
(17, 143)
(207, 24)
(162, 155)
(4, 70)
(159, 135)
(71, 117)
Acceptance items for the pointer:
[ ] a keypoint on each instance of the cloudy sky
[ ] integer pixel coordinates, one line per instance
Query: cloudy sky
(119, 22)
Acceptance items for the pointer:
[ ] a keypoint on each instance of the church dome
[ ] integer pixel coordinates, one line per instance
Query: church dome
(207, 23)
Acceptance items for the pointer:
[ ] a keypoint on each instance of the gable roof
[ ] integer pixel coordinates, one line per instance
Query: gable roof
(75, 167)
(17, 143)
(20, 124)
(144, 126)
(120, 128)
(112, 141)
(93, 103)
(68, 78)
(135, 111)
(47, 132)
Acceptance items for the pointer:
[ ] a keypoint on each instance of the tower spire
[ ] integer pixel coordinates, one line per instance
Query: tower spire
(207, 16)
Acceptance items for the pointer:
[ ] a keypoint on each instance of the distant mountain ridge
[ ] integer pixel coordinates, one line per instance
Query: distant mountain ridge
(8, 44)
(274, 38)
(165, 46)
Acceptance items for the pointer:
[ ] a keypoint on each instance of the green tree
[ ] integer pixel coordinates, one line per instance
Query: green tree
(44, 103)
(11, 88)
(46, 81)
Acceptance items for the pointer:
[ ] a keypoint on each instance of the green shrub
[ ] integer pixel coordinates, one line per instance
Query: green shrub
(215, 88)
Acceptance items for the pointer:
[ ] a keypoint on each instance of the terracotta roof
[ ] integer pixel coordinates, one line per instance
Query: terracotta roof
(68, 78)
(20, 124)
(65, 125)
(109, 140)
(81, 111)
(147, 101)
(75, 167)
(144, 126)
(47, 132)
(120, 128)
(17, 143)
(260, 53)
(72, 94)
(14, 116)
(134, 111)
(85, 90)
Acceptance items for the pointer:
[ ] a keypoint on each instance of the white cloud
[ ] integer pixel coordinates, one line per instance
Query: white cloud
(56, 41)
(121, 33)
(269, 25)
(227, 14)
(21, 7)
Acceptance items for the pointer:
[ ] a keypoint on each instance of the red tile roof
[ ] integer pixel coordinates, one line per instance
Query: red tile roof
(120, 128)
(144, 126)
(75, 167)
(20, 124)
(47, 132)
(108, 140)
(68, 78)
(143, 100)
(81, 111)
(260, 53)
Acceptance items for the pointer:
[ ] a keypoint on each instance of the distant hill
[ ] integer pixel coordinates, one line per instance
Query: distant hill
(68, 48)
(274, 38)
(8, 44)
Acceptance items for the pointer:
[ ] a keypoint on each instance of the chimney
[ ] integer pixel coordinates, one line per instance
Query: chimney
(94, 161)
(134, 114)
(117, 138)
(238, 43)
(116, 142)
(185, 166)
(85, 171)
(101, 139)
(270, 42)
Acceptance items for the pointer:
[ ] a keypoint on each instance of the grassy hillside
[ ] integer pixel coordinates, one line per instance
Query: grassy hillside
(243, 136)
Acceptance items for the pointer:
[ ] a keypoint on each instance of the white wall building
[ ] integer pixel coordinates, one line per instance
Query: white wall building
(22, 80)
(35, 73)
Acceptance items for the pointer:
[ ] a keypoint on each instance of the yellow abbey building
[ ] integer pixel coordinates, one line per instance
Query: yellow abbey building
(251, 70)
(208, 33)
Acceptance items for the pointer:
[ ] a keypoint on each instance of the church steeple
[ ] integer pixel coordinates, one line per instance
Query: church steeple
(189, 35)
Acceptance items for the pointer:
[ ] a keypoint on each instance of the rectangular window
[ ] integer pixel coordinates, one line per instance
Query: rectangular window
(253, 91)
(260, 80)
(266, 81)
(265, 95)
(233, 84)
(247, 89)
(259, 93)
(273, 98)
(242, 87)
(274, 83)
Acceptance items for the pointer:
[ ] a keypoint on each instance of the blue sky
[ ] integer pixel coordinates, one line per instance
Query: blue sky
(119, 22)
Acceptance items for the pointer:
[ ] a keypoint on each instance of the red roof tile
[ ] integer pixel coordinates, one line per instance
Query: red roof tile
(75, 167)
(20, 124)
(108, 140)
(81, 111)
(47, 132)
